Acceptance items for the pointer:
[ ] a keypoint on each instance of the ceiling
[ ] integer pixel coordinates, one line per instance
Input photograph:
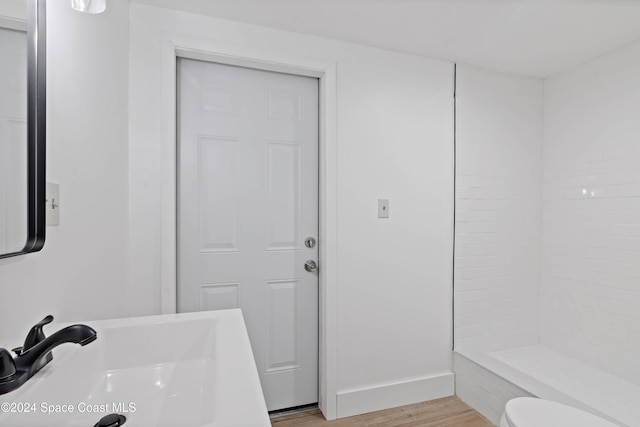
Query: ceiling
(524, 37)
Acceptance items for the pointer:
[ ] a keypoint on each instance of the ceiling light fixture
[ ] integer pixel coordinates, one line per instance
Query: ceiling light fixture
(89, 6)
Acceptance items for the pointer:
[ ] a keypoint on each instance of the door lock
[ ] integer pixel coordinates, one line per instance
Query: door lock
(311, 266)
(310, 242)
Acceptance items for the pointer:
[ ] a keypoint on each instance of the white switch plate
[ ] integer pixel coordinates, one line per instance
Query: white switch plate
(53, 203)
(383, 208)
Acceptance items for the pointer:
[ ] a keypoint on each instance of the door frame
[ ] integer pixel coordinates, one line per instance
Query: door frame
(177, 45)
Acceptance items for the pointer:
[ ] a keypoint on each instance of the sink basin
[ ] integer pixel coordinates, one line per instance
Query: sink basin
(186, 370)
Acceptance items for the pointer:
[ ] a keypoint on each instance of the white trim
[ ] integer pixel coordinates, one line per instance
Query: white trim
(328, 189)
(248, 63)
(177, 45)
(393, 395)
(168, 169)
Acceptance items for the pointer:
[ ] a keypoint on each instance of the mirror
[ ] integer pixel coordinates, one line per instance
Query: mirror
(22, 132)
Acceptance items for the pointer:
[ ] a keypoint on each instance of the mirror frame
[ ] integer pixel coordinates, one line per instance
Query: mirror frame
(36, 128)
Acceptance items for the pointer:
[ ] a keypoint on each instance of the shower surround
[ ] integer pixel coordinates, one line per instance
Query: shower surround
(547, 266)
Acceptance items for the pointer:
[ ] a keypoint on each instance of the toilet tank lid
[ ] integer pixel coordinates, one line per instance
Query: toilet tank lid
(533, 412)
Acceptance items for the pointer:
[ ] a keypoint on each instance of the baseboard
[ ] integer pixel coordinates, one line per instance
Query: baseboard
(372, 399)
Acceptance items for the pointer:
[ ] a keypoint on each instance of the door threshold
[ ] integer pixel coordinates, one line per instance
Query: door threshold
(294, 410)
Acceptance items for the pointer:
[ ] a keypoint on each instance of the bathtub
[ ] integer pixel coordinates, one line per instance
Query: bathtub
(487, 380)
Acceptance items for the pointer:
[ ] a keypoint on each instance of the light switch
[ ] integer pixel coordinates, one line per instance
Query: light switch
(383, 208)
(53, 203)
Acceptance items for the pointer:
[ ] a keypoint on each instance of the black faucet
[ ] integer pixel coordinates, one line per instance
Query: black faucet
(36, 352)
(34, 336)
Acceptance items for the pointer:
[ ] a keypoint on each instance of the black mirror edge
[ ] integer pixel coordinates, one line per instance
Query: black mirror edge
(36, 128)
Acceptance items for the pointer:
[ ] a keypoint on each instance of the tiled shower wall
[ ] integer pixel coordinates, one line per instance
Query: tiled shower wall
(590, 269)
(498, 209)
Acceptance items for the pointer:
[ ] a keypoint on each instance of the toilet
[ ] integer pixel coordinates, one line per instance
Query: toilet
(533, 412)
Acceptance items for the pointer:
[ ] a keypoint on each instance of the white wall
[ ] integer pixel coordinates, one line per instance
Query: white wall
(394, 140)
(82, 271)
(498, 209)
(590, 284)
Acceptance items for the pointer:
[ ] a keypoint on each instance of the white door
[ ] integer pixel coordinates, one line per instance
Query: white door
(247, 201)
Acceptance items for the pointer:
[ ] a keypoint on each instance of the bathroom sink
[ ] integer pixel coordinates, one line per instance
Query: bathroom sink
(187, 370)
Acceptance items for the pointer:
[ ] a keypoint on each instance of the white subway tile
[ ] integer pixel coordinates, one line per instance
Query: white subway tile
(590, 261)
(499, 204)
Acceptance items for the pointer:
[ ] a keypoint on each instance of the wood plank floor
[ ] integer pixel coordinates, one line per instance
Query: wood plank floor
(450, 411)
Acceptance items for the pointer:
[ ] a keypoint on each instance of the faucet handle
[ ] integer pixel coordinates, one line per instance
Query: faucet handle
(34, 336)
(7, 365)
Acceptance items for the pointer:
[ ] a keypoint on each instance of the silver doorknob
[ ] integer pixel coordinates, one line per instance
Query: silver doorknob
(311, 266)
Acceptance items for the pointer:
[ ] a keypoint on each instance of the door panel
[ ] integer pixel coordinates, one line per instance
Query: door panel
(247, 199)
(217, 158)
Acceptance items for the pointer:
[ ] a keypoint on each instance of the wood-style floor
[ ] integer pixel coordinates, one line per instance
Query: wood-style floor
(450, 411)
